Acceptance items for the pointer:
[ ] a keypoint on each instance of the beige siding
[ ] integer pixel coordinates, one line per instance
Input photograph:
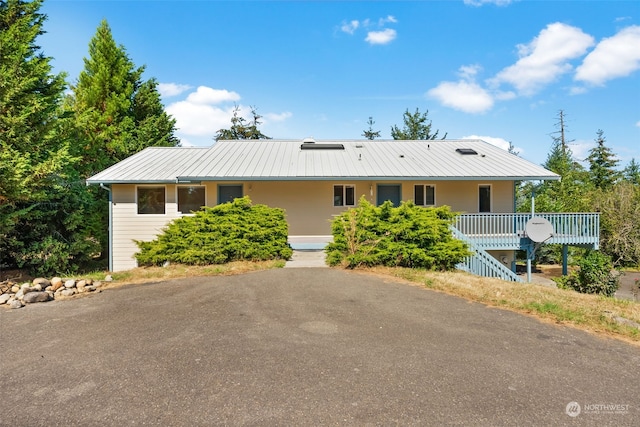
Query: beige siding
(129, 226)
(308, 205)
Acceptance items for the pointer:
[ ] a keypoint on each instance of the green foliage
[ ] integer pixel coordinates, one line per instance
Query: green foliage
(416, 126)
(407, 236)
(115, 114)
(631, 173)
(602, 164)
(241, 128)
(214, 235)
(42, 225)
(595, 276)
(619, 208)
(371, 134)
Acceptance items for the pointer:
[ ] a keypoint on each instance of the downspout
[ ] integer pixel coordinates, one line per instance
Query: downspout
(110, 230)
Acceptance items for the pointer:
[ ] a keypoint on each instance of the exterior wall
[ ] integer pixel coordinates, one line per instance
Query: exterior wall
(308, 205)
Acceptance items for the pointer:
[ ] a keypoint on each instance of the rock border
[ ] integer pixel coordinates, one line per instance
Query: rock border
(41, 289)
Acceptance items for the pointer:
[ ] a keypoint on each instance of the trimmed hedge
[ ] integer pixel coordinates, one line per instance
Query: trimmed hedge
(215, 235)
(404, 236)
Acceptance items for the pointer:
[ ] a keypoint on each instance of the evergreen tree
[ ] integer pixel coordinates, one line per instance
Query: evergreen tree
(632, 172)
(602, 164)
(241, 128)
(116, 113)
(416, 126)
(40, 222)
(371, 134)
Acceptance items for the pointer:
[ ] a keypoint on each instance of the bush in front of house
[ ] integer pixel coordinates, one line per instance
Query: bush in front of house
(228, 232)
(595, 275)
(404, 236)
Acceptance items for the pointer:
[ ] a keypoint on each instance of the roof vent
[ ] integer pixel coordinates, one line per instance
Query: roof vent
(466, 151)
(308, 141)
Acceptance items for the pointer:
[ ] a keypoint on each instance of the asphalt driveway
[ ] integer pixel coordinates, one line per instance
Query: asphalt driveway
(312, 346)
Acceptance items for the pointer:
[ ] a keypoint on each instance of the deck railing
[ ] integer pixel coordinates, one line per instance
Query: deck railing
(507, 230)
(481, 263)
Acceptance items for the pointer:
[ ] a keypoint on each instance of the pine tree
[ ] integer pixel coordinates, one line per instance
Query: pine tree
(632, 172)
(40, 222)
(116, 113)
(241, 128)
(371, 134)
(602, 164)
(416, 126)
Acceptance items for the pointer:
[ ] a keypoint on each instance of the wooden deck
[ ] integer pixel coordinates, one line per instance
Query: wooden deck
(506, 231)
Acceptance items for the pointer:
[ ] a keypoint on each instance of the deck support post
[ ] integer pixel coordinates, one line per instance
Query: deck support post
(531, 251)
(565, 256)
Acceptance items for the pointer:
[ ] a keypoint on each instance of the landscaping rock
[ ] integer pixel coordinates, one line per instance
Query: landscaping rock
(5, 297)
(15, 303)
(108, 278)
(15, 289)
(71, 283)
(33, 297)
(41, 281)
(80, 285)
(56, 283)
(68, 292)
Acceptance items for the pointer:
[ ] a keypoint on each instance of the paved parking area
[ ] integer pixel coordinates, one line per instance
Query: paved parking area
(305, 346)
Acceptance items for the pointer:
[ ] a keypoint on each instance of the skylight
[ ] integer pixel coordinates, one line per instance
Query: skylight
(322, 146)
(466, 151)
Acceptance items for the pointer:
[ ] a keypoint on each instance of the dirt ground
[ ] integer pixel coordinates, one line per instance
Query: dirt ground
(543, 274)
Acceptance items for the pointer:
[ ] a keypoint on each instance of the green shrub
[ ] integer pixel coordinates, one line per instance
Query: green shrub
(406, 236)
(594, 276)
(216, 235)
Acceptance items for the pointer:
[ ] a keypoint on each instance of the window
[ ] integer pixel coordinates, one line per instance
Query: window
(151, 200)
(344, 195)
(228, 193)
(425, 195)
(484, 198)
(190, 198)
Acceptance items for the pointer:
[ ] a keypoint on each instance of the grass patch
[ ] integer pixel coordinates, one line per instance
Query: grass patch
(177, 271)
(593, 313)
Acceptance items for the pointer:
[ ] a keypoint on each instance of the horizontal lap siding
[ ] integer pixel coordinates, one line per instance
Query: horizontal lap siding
(129, 226)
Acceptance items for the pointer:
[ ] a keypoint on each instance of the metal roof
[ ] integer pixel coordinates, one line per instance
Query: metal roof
(381, 160)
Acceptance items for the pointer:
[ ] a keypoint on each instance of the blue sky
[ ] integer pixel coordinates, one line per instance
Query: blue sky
(496, 69)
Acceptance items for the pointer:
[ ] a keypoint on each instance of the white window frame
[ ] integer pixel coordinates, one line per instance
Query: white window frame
(344, 195)
(138, 187)
(424, 194)
(178, 187)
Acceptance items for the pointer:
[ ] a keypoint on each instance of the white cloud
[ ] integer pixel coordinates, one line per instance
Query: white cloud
(545, 58)
(483, 2)
(462, 95)
(613, 57)
(388, 19)
(207, 95)
(278, 117)
(350, 27)
(172, 89)
(196, 119)
(207, 110)
(381, 37)
(638, 123)
(498, 142)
